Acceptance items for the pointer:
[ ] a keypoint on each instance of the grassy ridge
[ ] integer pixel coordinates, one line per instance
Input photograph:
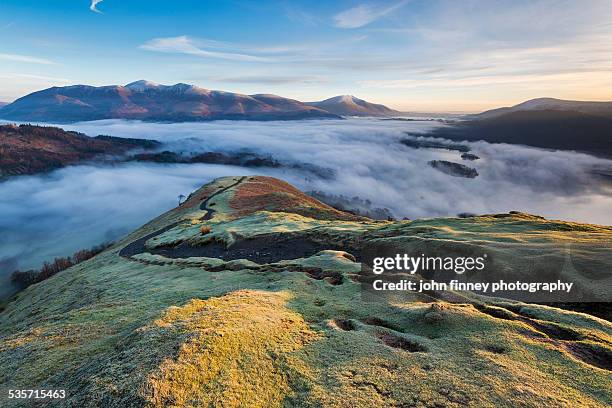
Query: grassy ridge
(155, 330)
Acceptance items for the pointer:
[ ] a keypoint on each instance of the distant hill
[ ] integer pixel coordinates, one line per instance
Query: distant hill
(348, 105)
(30, 149)
(545, 122)
(551, 104)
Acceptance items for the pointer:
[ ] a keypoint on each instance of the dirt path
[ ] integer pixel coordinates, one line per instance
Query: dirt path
(209, 211)
(262, 249)
(138, 246)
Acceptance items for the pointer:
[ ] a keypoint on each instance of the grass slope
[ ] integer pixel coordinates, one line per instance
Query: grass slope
(157, 330)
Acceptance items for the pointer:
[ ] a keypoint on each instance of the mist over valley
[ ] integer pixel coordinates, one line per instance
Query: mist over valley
(385, 162)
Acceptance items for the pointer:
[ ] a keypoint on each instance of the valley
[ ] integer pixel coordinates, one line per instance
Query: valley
(99, 195)
(354, 204)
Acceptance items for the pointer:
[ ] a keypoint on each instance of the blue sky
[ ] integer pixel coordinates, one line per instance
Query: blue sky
(435, 55)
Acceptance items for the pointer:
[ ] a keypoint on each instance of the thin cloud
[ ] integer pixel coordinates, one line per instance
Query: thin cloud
(308, 48)
(190, 46)
(554, 79)
(363, 14)
(270, 80)
(93, 5)
(25, 58)
(34, 77)
(300, 16)
(302, 53)
(535, 67)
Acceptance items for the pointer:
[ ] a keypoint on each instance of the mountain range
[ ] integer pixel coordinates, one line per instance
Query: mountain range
(543, 122)
(149, 101)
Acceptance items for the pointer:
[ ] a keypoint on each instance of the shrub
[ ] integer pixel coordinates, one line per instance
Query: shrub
(48, 269)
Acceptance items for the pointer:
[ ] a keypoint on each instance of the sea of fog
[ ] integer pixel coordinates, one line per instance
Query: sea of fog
(76, 207)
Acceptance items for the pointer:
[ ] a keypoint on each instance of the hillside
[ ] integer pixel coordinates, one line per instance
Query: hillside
(30, 149)
(603, 109)
(249, 294)
(348, 105)
(545, 123)
(27, 149)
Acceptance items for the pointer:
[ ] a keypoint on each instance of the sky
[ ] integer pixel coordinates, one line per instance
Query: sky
(427, 56)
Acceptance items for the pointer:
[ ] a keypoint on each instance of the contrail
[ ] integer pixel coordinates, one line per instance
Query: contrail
(94, 3)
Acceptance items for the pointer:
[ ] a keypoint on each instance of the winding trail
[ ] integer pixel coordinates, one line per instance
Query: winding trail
(138, 246)
(210, 211)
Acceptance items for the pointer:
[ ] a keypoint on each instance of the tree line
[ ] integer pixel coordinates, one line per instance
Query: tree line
(48, 269)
